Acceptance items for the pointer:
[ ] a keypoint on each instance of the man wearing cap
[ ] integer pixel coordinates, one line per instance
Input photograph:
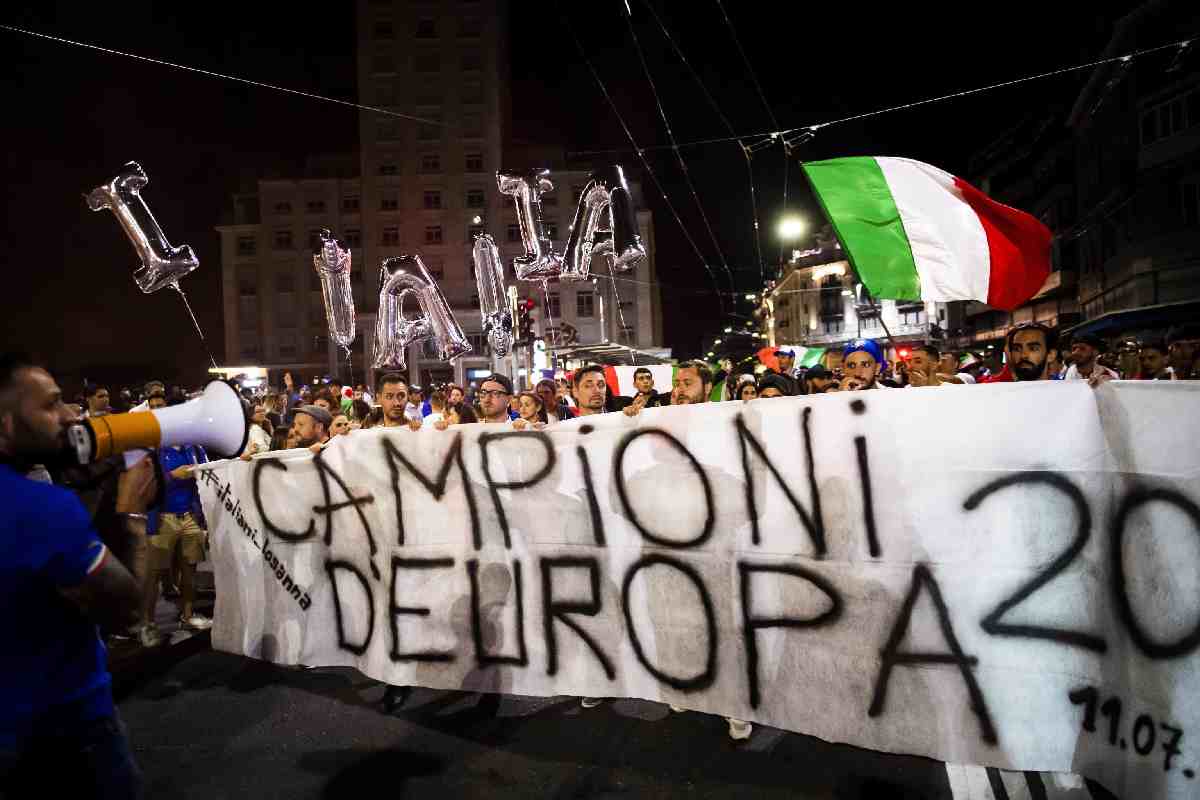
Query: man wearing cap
(862, 362)
(772, 384)
(312, 425)
(494, 395)
(786, 358)
(818, 380)
(1085, 349)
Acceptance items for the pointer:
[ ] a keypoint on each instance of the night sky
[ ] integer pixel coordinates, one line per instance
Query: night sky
(73, 116)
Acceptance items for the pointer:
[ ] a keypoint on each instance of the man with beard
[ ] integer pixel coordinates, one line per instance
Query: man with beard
(862, 363)
(591, 390)
(60, 734)
(1028, 348)
(692, 384)
(312, 426)
(392, 391)
(1085, 349)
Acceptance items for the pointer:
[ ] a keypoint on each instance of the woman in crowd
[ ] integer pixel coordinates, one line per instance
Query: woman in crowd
(531, 409)
(261, 430)
(340, 425)
(746, 390)
(547, 391)
(461, 414)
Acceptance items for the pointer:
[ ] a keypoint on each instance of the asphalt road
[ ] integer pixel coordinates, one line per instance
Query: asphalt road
(215, 725)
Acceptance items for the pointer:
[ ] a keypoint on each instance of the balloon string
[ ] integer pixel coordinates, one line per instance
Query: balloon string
(188, 306)
(350, 363)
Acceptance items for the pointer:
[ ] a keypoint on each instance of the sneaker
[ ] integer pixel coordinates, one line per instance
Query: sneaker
(196, 622)
(149, 636)
(739, 730)
(590, 702)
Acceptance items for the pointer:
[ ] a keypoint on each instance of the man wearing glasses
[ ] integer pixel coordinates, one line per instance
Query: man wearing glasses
(494, 394)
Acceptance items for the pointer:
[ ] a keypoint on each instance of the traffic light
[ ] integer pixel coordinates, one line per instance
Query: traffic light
(525, 317)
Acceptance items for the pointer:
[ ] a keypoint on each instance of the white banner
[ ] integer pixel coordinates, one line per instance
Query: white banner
(1005, 575)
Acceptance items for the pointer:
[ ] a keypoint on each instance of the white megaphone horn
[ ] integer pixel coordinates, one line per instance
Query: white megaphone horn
(216, 420)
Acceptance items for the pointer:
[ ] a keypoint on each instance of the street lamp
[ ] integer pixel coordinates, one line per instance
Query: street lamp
(791, 228)
(728, 329)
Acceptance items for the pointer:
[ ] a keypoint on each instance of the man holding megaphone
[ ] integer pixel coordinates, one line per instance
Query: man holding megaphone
(59, 579)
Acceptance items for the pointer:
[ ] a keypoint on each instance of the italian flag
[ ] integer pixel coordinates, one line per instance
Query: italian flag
(914, 232)
(805, 356)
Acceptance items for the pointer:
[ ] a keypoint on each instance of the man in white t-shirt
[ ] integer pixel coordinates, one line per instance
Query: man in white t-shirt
(1085, 350)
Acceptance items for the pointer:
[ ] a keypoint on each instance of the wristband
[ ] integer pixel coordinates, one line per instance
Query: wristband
(133, 515)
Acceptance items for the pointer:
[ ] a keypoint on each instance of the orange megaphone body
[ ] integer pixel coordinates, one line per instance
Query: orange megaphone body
(216, 420)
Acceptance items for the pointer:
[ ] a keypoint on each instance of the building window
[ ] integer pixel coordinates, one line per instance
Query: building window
(431, 163)
(353, 237)
(472, 92)
(287, 345)
(428, 133)
(385, 93)
(247, 287)
(471, 62)
(314, 239)
(383, 64)
(831, 298)
(356, 275)
(433, 234)
(426, 29)
(320, 344)
(911, 313)
(474, 162)
(247, 245)
(473, 231)
(283, 207)
(283, 240)
(285, 283)
(250, 352)
(391, 236)
(383, 29)
(479, 343)
(1171, 117)
(387, 129)
(554, 305)
(436, 268)
(585, 304)
(469, 27)
(1184, 199)
(314, 207)
(389, 167)
(472, 126)
(475, 198)
(514, 233)
(426, 63)
(432, 199)
(389, 201)
(351, 203)
(629, 335)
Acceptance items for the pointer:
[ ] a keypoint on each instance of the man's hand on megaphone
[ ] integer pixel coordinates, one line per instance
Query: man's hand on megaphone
(136, 488)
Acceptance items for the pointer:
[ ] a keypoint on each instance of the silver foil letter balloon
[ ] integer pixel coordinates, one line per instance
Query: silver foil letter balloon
(331, 260)
(605, 222)
(540, 262)
(405, 277)
(162, 264)
(493, 301)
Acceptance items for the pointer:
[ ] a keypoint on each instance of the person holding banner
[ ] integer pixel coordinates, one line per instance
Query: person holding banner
(392, 391)
(1027, 349)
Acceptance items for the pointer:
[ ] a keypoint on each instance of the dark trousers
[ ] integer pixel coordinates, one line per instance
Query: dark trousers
(86, 759)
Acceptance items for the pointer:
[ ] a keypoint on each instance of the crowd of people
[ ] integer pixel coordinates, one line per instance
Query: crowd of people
(140, 531)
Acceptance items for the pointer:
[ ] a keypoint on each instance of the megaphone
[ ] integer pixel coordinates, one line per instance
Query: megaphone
(216, 421)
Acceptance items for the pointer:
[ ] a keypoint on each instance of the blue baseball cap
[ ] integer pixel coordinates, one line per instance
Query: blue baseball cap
(869, 346)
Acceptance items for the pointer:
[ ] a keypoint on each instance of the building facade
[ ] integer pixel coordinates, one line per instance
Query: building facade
(817, 302)
(425, 186)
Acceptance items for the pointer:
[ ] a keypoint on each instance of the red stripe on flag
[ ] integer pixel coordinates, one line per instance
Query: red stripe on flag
(1019, 245)
(610, 377)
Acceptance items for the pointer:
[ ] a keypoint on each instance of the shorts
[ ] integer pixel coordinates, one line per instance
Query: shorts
(176, 531)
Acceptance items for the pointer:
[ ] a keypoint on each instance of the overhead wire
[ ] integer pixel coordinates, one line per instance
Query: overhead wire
(687, 175)
(767, 137)
(222, 76)
(728, 126)
(645, 163)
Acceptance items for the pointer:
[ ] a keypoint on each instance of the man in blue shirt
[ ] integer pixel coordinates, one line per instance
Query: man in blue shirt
(59, 730)
(176, 537)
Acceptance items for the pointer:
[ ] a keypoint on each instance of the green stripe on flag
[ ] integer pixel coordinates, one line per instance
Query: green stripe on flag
(809, 356)
(857, 200)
